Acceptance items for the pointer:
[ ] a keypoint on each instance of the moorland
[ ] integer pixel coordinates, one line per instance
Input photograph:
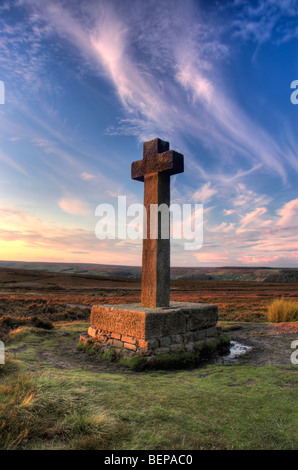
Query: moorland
(55, 396)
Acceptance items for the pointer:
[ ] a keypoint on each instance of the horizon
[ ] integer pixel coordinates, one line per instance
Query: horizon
(86, 83)
(139, 266)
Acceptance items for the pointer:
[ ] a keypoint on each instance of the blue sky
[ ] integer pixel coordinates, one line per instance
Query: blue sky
(87, 82)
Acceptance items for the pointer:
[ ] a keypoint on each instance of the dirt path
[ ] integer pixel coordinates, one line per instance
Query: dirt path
(67, 356)
(271, 344)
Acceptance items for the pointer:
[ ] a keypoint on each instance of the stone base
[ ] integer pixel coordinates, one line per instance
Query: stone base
(149, 331)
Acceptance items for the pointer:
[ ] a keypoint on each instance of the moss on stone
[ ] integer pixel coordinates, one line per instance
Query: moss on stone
(181, 359)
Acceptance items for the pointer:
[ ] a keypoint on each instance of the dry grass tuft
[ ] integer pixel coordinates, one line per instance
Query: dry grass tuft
(281, 310)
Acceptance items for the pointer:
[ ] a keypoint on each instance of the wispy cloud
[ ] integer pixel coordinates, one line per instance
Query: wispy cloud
(165, 63)
(11, 163)
(289, 214)
(258, 21)
(210, 258)
(110, 44)
(251, 219)
(247, 198)
(255, 237)
(74, 206)
(87, 176)
(204, 194)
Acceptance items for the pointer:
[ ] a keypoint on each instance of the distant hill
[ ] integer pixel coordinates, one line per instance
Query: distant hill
(226, 273)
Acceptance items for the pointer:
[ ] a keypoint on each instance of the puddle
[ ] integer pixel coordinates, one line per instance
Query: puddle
(236, 350)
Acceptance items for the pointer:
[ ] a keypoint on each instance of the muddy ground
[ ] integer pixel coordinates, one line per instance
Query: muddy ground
(270, 343)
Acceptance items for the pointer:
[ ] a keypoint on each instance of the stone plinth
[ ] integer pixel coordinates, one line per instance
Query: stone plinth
(148, 330)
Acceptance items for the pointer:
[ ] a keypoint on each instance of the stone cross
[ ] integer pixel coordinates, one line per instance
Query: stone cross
(158, 164)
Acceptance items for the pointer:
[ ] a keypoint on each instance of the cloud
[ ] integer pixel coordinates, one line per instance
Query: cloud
(87, 176)
(288, 213)
(165, 89)
(259, 260)
(257, 237)
(165, 62)
(204, 194)
(223, 228)
(228, 211)
(74, 206)
(210, 257)
(252, 217)
(11, 163)
(188, 77)
(262, 20)
(27, 237)
(245, 197)
(44, 144)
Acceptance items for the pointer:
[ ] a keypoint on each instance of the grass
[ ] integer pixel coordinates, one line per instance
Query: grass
(213, 407)
(282, 310)
(47, 409)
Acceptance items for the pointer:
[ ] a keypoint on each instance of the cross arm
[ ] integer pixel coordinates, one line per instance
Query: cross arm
(169, 162)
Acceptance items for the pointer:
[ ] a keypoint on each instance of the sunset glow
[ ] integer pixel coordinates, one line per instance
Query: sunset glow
(86, 83)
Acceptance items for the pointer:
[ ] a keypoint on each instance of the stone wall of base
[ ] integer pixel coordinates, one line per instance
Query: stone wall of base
(163, 344)
(147, 323)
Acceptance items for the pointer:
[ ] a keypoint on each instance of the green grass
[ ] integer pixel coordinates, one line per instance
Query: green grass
(211, 407)
(282, 310)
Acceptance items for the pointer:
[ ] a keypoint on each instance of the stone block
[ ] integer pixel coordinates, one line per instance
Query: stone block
(115, 343)
(116, 335)
(143, 344)
(130, 346)
(162, 350)
(92, 332)
(148, 323)
(165, 341)
(84, 338)
(189, 336)
(164, 321)
(211, 332)
(128, 339)
(134, 327)
(199, 334)
(176, 347)
(200, 316)
(123, 319)
(102, 338)
(177, 339)
(151, 344)
(189, 346)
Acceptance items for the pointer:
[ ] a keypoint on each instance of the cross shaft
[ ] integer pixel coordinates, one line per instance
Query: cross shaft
(158, 164)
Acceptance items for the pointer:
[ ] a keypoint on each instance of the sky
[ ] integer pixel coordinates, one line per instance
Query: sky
(86, 83)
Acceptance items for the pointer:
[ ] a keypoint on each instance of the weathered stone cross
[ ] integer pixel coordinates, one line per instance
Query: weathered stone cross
(158, 164)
